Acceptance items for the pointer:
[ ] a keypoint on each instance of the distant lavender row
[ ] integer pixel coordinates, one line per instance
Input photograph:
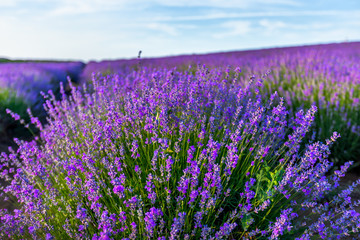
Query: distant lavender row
(253, 61)
(325, 75)
(28, 79)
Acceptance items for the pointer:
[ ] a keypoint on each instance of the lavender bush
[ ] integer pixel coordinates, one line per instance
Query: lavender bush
(171, 155)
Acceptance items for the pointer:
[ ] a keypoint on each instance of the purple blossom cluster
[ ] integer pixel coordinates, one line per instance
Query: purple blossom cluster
(164, 154)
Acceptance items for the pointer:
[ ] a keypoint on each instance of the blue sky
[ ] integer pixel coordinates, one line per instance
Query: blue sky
(111, 29)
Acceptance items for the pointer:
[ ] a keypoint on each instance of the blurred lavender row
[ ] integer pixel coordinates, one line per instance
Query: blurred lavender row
(29, 79)
(253, 61)
(21, 84)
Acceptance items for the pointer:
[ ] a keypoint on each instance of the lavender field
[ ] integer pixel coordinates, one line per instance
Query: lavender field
(236, 145)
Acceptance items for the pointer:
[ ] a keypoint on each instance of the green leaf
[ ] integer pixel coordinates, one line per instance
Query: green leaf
(168, 150)
(246, 221)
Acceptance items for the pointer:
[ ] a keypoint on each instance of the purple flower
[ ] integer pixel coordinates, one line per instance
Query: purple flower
(150, 188)
(48, 236)
(81, 228)
(31, 229)
(151, 220)
(282, 224)
(134, 230)
(225, 230)
(81, 213)
(176, 227)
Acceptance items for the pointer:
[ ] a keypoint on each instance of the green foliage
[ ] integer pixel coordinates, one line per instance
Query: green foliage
(8, 126)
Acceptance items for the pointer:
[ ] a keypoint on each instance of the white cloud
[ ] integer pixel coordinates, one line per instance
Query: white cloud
(234, 28)
(165, 28)
(17, 3)
(8, 3)
(226, 4)
(226, 15)
(66, 4)
(70, 7)
(272, 26)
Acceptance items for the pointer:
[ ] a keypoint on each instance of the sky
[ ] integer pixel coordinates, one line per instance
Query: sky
(116, 29)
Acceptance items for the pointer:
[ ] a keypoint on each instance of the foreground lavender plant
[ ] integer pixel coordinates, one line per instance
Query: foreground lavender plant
(169, 155)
